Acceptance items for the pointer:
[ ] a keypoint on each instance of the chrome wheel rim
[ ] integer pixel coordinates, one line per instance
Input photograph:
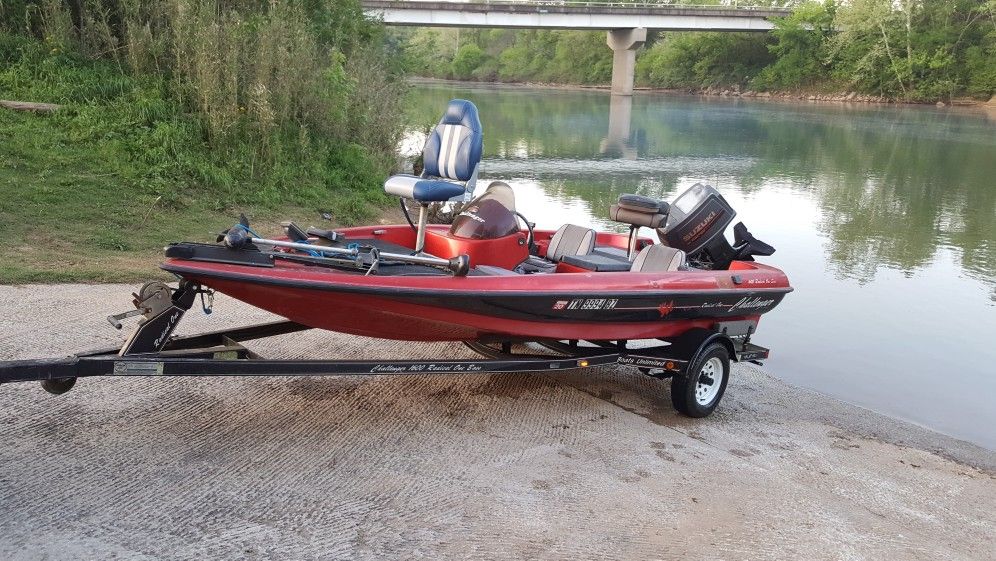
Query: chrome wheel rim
(709, 381)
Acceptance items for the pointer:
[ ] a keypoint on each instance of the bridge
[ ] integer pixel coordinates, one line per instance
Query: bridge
(625, 22)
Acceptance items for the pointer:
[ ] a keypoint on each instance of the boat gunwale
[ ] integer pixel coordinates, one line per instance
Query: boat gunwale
(387, 290)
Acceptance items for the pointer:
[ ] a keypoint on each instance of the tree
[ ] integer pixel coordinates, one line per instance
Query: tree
(800, 48)
(980, 59)
(699, 60)
(467, 59)
(915, 50)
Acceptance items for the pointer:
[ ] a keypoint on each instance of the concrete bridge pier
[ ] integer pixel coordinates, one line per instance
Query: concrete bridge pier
(624, 43)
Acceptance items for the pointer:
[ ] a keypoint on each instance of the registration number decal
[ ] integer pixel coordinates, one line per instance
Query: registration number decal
(586, 304)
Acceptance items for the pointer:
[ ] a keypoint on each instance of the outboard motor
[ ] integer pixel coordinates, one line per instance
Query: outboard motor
(696, 223)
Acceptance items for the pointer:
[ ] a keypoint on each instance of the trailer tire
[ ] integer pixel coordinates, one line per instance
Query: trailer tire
(58, 386)
(691, 394)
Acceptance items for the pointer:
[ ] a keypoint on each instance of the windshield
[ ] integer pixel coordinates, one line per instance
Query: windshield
(490, 216)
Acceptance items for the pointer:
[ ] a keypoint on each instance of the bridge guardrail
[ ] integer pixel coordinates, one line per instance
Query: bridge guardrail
(734, 4)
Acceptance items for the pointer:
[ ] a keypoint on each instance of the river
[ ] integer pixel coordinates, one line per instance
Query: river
(884, 219)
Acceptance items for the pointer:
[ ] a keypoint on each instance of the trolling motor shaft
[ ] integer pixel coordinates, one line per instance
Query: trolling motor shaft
(238, 238)
(459, 265)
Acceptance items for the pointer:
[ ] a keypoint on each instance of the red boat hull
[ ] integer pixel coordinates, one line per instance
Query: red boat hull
(564, 305)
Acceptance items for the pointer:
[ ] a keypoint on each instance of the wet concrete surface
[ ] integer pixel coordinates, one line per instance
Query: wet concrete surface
(590, 464)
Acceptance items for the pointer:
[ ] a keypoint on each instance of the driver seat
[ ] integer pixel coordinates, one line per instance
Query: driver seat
(450, 156)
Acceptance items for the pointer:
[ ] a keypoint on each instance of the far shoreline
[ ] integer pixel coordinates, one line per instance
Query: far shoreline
(847, 99)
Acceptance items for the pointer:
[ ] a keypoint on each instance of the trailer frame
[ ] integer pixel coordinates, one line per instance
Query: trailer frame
(153, 351)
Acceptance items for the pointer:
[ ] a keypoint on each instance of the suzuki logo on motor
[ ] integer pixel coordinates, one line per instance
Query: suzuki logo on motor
(701, 227)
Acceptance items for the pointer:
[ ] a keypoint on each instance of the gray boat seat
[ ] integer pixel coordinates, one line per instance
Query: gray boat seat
(568, 240)
(637, 210)
(658, 258)
(609, 251)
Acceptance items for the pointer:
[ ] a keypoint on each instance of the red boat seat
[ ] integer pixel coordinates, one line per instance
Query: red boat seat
(658, 258)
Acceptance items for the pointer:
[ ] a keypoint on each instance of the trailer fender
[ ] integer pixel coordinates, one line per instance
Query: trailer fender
(679, 353)
(690, 345)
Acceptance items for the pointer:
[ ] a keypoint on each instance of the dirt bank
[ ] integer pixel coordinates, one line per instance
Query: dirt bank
(587, 465)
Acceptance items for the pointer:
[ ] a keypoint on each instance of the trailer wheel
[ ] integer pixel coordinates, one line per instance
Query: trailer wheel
(58, 386)
(697, 392)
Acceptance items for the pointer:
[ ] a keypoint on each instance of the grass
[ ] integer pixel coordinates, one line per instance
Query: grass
(74, 211)
(95, 190)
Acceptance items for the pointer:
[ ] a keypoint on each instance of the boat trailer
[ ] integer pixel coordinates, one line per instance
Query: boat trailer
(153, 350)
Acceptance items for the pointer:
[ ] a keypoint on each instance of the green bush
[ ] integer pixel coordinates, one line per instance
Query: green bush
(179, 114)
(981, 65)
(580, 57)
(914, 51)
(577, 57)
(513, 64)
(697, 60)
(467, 59)
(800, 49)
(427, 51)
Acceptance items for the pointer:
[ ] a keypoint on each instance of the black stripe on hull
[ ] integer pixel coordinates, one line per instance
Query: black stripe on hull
(595, 307)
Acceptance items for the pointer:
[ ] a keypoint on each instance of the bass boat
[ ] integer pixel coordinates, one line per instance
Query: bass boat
(485, 277)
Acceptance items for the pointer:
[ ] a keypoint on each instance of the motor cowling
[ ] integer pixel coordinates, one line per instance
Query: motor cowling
(697, 223)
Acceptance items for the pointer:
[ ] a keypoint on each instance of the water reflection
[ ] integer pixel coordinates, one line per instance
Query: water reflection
(618, 142)
(893, 185)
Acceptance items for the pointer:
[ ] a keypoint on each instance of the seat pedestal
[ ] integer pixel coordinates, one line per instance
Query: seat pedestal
(423, 218)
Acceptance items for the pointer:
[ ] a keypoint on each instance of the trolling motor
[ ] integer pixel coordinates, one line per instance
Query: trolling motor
(696, 222)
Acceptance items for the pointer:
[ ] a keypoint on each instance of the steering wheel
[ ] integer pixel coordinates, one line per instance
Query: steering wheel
(529, 226)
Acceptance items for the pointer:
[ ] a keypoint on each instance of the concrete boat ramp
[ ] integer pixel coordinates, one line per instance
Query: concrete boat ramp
(581, 465)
